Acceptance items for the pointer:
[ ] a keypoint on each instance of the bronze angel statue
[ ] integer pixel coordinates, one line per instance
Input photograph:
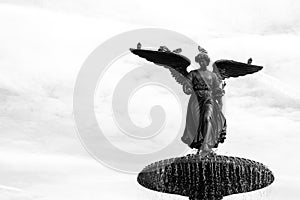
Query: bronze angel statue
(205, 123)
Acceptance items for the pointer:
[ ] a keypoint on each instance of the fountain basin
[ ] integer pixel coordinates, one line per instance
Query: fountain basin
(211, 177)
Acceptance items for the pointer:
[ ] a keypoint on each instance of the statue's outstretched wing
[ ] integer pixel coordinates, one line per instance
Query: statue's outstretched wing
(229, 68)
(176, 63)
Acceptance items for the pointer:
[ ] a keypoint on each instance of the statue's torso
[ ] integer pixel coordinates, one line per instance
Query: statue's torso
(202, 80)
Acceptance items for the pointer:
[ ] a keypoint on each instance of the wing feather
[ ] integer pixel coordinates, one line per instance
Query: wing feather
(230, 68)
(176, 63)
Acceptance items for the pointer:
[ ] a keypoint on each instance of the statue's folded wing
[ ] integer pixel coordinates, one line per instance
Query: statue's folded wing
(230, 68)
(176, 63)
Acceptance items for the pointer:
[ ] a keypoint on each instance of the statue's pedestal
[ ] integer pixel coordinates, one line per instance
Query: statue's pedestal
(211, 177)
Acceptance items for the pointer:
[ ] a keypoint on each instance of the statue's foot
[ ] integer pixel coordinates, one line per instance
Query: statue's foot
(206, 152)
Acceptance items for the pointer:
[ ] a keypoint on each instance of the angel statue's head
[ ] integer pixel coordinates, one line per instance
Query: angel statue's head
(202, 58)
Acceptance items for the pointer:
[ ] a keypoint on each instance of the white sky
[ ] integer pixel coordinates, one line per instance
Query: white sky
(44, 43)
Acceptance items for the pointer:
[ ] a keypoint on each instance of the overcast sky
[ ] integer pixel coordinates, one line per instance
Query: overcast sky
(44, 44)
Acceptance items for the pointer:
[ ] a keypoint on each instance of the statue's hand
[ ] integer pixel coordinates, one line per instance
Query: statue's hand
(220, 103)
(187, 89)
(218, 92)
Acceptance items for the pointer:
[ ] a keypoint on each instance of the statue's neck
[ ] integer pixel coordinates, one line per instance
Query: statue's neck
(203, 68)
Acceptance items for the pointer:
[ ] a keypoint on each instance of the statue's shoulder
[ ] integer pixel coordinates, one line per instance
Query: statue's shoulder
(193, 71)
(213, 74)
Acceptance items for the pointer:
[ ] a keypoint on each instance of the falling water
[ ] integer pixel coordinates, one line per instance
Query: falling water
(211, 177)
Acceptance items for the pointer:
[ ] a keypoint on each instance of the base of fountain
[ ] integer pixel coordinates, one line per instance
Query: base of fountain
(210, 177)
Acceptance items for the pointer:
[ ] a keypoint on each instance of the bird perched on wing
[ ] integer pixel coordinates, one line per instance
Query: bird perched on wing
(249, 61)
(179, 50)
(164, 49)
(139, 46)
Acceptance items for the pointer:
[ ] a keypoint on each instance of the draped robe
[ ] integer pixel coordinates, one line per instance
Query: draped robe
(205, 122)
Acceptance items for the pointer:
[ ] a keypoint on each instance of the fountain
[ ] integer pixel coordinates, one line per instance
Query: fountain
(205, 176)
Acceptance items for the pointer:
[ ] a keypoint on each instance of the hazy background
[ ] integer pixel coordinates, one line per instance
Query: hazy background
(44, 43)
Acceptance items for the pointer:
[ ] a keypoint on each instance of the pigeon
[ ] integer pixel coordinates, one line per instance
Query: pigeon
(164, 49)
(139, 46)
(179, 50)
(201, 50)
(249, 61)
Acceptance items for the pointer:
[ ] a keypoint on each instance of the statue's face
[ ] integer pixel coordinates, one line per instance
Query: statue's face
(203, 62)
(202, 59)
